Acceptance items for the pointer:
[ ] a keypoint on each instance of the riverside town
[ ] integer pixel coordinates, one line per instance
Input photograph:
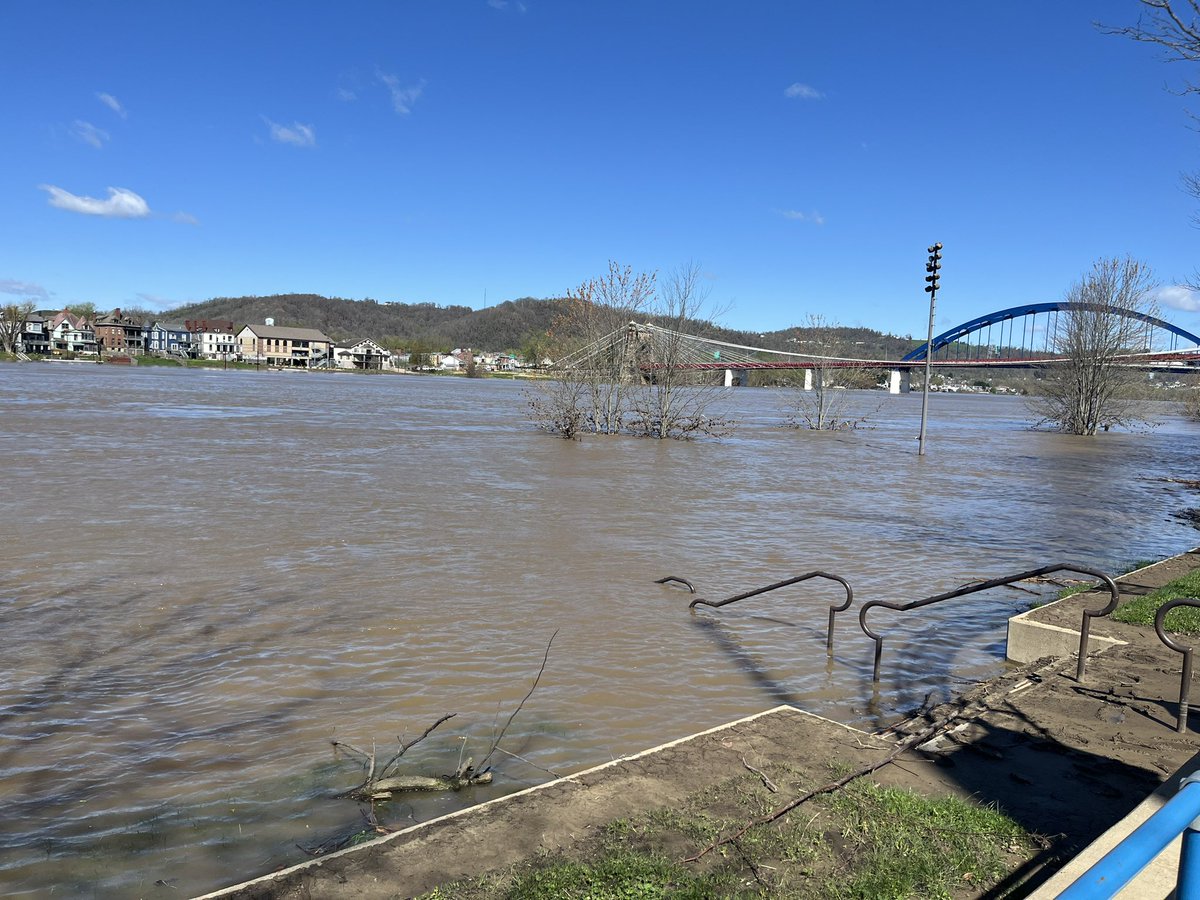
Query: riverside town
(516, 450)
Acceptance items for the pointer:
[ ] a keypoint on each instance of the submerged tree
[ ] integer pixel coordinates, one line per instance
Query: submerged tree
(1093, 388)
(674, 401)
(819, 398)
(618, 356)
(591, 376)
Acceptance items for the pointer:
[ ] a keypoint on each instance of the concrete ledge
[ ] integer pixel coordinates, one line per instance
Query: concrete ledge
(1029, 640)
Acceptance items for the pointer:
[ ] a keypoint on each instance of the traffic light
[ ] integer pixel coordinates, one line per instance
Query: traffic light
(932, 267)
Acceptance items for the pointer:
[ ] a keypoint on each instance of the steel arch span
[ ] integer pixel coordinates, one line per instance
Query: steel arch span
(1032, 309)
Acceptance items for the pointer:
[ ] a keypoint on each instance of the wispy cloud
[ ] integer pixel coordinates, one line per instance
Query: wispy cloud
(403, 98)
(296, 134)
(184, 218)
(504, 5)
(797, 216)
(156, 302)
(346, 95)
(801, 91)
(23, 288)
(1177, 296)
(89, 133)
(113, 103)
(121, 203)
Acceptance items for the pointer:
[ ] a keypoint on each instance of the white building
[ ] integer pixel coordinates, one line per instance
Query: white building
(216, 344)
(364, 354)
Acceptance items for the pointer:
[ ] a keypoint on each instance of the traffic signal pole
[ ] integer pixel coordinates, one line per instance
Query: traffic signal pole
(932, 267)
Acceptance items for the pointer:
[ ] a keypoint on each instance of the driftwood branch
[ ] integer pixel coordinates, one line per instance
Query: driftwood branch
(383, 781)
(529, 762)
(533, 687)
(767, 782)
(404, 748)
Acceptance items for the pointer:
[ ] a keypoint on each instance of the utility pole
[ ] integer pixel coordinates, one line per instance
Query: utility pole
(932, 266)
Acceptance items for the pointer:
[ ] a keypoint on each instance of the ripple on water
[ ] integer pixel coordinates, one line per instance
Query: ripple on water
(280, 562)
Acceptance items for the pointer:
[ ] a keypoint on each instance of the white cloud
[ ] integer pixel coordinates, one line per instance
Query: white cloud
(403, 98)
(184, 218)
(1176, 296)
(121, 203)
(89, 133)
(802, 91)
(153, 301)
(796, 215)
(297, 135)
(23, 288)
(346, 95)
(112, 103)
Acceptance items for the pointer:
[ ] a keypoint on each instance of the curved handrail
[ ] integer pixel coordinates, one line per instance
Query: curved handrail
(1185, 681)
(1084, 628)
(834, 609)
(682, 581)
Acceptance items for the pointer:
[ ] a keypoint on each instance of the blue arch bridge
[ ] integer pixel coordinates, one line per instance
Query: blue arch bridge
(1030, 336)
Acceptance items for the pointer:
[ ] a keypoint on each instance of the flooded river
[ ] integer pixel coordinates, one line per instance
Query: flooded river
(209, 576)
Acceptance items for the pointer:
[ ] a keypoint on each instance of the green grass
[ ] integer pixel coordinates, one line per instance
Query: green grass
(1141, 611)
(619, 874)
(1125, 570)
(863, 842)
(902, 844)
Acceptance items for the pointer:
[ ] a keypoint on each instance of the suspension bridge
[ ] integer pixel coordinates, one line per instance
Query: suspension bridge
(1027, 336)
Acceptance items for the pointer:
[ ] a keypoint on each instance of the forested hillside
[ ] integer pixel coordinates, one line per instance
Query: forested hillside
(505, 326)
(511, 325)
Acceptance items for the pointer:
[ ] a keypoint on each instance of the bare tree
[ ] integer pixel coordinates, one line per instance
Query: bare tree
(13, 318)
(819, 398)
(592, 326)
(674, 401)
(560, 405)
(1173, 26)
(614, 374)
(1093, 388)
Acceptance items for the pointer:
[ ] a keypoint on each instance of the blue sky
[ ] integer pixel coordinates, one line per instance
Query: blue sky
(804, 155)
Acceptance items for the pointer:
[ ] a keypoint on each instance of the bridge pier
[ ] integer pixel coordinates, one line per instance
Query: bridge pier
(737, 378)
(899, 381)
(808, 379)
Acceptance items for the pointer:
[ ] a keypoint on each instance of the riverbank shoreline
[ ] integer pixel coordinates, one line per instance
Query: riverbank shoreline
(1065, 759)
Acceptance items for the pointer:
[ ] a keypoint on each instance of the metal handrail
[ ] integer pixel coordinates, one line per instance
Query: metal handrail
(1185, 681)
(682, 581)
(1084, 627)
(1178, 816)
(834, 609)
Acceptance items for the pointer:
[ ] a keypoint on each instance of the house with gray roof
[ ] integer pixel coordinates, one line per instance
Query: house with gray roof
(169, 337)
(303, 348)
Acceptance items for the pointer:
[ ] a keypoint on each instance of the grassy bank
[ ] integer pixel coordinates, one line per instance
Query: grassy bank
(865, 841)
(1141, 610)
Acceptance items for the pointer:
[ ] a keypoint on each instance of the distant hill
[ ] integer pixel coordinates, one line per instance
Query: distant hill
(506, 326)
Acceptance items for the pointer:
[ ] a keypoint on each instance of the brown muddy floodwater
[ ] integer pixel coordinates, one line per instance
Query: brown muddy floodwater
(209, 575)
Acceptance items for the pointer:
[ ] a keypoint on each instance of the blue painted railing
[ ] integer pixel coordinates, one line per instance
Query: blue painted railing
(1179, 815)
